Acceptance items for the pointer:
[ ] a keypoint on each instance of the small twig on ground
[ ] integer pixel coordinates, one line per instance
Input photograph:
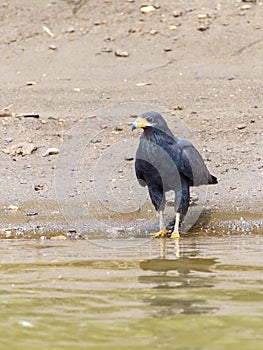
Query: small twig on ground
(28, 115)
(5, 114)
(9, 114)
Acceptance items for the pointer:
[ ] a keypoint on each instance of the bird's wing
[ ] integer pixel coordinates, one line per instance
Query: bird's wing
(139, 166)
(189, 162)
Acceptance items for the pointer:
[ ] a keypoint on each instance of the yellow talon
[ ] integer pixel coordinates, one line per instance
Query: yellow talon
(175, 235)
(161, 234)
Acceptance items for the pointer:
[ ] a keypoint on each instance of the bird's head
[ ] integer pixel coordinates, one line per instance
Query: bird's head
(150, 120)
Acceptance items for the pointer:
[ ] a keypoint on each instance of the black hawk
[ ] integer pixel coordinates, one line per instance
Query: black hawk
(164, 163)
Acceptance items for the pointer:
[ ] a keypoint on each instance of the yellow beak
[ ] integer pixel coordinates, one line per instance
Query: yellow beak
(140, 123)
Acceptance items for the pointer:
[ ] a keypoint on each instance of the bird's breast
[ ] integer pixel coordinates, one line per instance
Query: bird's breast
(158, 164)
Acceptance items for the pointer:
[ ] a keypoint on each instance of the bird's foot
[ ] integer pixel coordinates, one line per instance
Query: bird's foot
(175, 234)
(161, 234)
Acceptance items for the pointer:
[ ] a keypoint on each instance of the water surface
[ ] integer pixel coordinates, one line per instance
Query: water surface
(199, 292)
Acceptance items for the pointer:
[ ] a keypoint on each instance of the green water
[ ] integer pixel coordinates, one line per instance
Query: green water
(198, 293)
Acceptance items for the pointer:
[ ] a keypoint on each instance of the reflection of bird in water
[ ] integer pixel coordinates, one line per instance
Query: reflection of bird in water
(164, 246)
(183, 265)
(171, 260)
(165, 162)
(170, 273)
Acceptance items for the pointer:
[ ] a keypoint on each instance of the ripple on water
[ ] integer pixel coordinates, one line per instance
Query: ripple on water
(77, 293)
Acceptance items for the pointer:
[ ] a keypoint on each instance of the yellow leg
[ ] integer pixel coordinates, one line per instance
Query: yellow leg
(175, 233)
(161, 222)
(163, 232)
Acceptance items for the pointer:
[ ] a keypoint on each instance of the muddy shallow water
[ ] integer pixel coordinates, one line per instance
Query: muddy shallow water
(201, 292)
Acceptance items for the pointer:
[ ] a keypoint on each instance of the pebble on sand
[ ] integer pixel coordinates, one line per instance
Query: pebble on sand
(147, 9)
(241, 126)
(121, 53)
(50, 151)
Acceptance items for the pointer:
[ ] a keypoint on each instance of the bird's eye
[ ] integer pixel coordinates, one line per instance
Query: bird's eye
(150, 119)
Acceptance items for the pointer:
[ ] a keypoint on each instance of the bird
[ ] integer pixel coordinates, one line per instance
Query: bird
(165, 162)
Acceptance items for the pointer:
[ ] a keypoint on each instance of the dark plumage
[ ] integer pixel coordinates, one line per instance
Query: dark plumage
(165, 162)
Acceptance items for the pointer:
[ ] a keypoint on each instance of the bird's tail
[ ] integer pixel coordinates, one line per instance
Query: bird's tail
(213, 180)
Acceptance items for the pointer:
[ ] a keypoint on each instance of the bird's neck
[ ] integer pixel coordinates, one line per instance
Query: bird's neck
(157, 135)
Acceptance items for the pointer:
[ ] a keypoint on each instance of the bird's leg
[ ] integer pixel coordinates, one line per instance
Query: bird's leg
(163, 232)
(161, 222)
(175, 233)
